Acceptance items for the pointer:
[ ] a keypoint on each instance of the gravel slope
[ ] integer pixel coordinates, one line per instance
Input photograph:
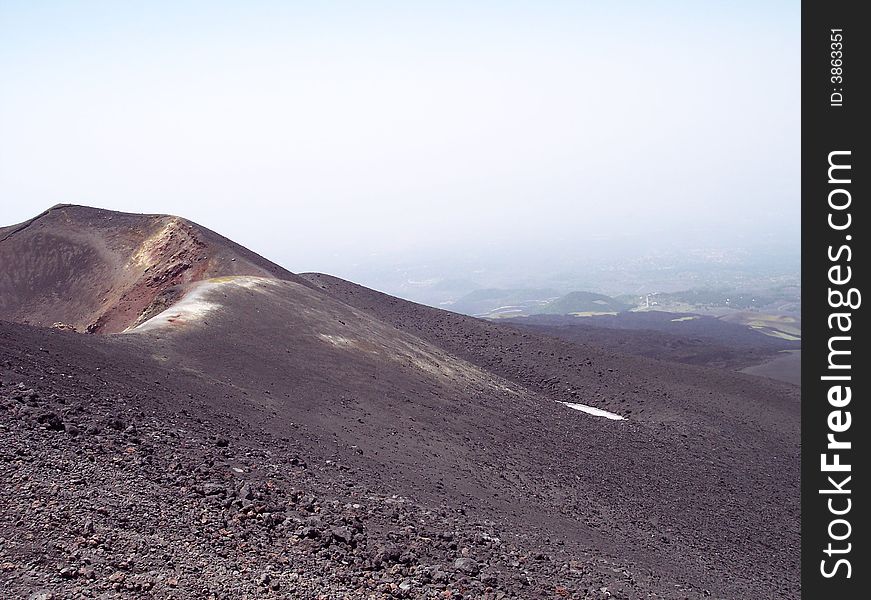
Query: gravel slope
(300, 436)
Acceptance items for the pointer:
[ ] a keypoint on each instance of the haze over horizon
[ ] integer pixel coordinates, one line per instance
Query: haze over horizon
(344, 139)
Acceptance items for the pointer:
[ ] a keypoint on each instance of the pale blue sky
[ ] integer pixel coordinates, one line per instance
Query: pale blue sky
(317, 131)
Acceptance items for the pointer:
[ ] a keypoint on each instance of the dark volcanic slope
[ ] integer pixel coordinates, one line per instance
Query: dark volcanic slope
(444, 430)
(691, 339)
(707, 456)
(126, 477)
(103, 271)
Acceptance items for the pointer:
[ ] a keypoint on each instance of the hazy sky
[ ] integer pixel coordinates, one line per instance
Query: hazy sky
(318, 131)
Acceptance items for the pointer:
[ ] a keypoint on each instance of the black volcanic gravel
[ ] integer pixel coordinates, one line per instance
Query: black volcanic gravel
(304, 437)
(131, 489)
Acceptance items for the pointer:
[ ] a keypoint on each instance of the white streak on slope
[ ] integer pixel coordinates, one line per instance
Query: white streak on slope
(598, 412)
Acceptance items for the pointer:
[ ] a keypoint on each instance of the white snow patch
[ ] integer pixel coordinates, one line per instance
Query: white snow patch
(592, 410)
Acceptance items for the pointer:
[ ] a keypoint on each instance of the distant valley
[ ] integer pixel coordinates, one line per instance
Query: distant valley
(712, 328)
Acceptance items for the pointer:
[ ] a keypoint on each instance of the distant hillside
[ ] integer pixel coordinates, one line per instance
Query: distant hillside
(496, 302)
(583, 302)
(500, 303)
(779, 298)
(691, 339)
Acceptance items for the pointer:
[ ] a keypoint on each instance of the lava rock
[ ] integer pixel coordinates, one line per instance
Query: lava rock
(54, 422)
(467, 565)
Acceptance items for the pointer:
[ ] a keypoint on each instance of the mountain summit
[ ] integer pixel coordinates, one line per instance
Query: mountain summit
(102, 271)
